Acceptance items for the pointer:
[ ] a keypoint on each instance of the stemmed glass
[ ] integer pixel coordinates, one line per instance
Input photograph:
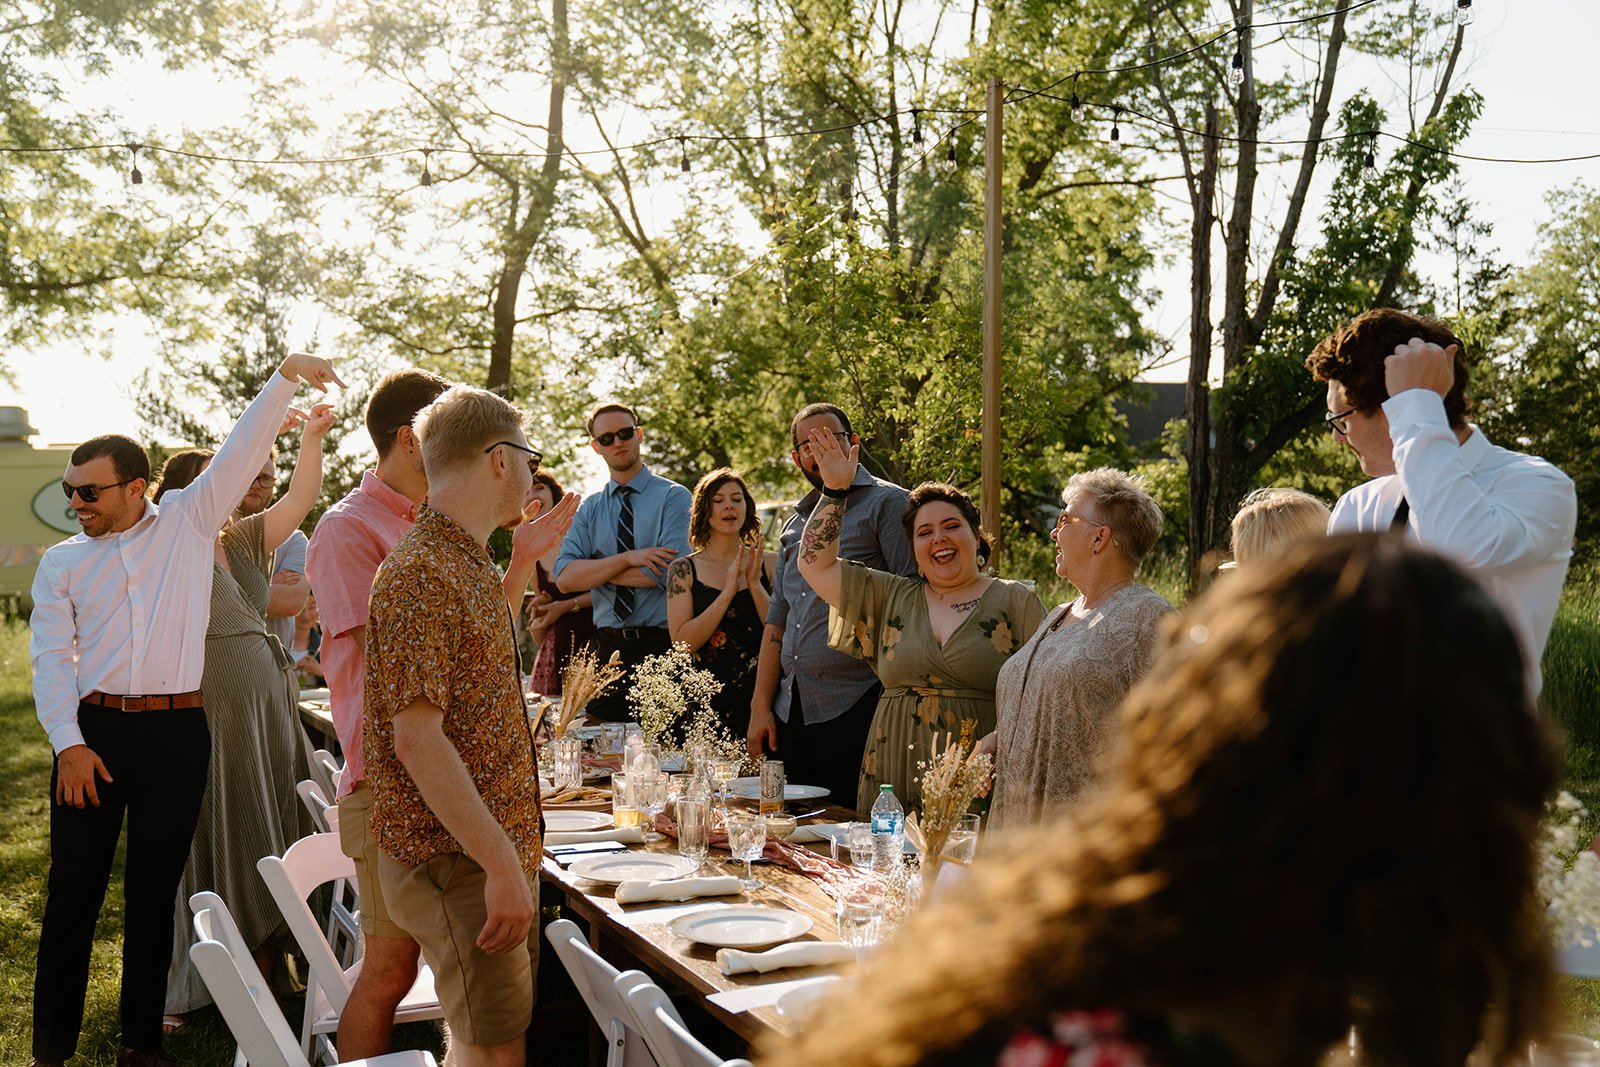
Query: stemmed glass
(650, 797)
(724, 771)
(747, 837)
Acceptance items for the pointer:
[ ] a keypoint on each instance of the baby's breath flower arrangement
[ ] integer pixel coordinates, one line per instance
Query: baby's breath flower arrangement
(1569, 875)
(671, 698)
(951, 777)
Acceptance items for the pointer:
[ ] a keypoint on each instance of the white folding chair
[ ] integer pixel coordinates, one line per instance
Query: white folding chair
(326, 771)
(252, 1015)
(305, 866)
(316, 802)
(343, 928)
(668, 1039)
(603, 989)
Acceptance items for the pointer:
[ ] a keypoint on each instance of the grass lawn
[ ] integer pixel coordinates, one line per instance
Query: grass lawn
(1572, 700)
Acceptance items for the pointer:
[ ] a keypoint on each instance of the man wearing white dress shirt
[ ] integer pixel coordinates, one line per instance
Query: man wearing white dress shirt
(1397, 398)
(118, 648)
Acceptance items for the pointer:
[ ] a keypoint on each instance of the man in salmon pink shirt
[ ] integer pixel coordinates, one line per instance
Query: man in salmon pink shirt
(352, 538)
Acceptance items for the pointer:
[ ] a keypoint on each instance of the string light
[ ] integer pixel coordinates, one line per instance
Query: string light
(950, 160)
(134, 175)
(1077, 104)
(916, 126)
(427, 176)
(683, 154)
(1369, 165)
(1116, 130)
(1463, 12)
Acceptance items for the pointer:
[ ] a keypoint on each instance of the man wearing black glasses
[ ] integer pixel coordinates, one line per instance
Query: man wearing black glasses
(620, 545)
(1397, 398)
(118, 648)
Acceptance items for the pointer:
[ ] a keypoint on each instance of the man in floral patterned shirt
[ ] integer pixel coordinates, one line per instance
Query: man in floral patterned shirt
(448, 747)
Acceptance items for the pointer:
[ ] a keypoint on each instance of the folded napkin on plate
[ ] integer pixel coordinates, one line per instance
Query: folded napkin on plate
(796, 954)
(633, 835)
(817, 831)
(638, 891)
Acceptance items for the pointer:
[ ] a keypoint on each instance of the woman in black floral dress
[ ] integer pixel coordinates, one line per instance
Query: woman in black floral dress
(717, 595)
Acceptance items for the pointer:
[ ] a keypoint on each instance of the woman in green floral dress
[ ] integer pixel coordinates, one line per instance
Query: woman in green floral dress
(937, 641)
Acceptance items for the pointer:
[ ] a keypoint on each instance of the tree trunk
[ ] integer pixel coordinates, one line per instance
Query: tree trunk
(1197, 397)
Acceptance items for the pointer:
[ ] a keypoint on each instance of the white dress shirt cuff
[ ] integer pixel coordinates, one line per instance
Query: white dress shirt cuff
(65, 736)
(1415, 409)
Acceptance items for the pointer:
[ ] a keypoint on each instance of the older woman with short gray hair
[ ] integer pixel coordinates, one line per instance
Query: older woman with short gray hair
(1055, 697)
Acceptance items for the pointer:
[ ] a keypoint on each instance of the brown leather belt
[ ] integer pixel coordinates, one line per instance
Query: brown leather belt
(156, 702)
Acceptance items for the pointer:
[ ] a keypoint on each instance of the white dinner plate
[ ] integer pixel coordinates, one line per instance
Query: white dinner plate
(624, 867)
(740, 927)
(797, 1004)
(561, 822)
(750, 789)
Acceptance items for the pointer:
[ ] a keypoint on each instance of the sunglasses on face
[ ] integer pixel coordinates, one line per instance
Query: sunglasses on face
(535, 457)
(90, 493)
(624, 434)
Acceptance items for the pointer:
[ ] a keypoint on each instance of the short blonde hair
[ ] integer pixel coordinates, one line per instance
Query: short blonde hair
(461, 423)
(1271, 519)
(1124, 505)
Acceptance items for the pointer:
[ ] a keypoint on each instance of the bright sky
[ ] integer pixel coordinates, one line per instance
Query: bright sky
(1533, 60)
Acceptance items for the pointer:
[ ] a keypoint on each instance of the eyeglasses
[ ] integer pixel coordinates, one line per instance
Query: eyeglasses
(1066, 518)
(625, 434)
(844, 439)
(535, 457)
(265, 481)
(90, 493)
(1340, 422)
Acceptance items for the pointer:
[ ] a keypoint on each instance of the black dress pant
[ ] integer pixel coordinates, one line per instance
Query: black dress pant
(827, 753)
(158, 762)
(632, 644)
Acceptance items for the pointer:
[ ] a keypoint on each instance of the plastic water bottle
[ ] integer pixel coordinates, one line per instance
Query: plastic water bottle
(888, 829)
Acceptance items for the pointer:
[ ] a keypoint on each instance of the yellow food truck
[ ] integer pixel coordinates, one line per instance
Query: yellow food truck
(38, 516)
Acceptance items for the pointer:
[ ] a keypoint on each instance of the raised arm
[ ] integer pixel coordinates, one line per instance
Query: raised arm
(533, 537)
(683, 625)
(819, 542)
(305, 485)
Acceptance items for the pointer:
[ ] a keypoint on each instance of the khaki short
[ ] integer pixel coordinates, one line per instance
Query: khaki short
(357, 842)
(488, 1000)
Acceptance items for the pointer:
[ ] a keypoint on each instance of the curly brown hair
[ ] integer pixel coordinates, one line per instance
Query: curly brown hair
(1353, 356)
(928, 493)
(700, 510)
(1321, 813)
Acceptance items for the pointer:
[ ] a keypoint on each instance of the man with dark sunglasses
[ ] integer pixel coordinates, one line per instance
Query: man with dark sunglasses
(619, 547)
(1397, 398)
(118, 648)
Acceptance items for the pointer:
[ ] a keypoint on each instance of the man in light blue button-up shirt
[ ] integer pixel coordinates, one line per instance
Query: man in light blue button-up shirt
(627, 581)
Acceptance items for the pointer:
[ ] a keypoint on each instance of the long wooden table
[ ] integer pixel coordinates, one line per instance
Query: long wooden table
(657, 949)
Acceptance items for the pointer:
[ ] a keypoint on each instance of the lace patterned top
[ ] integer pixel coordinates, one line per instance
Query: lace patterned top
(1055, 700)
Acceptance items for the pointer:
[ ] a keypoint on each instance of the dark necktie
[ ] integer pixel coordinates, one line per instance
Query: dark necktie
(1402, 516)
(624, 601)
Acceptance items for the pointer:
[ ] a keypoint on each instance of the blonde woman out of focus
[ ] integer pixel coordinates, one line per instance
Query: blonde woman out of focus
(1270, 520)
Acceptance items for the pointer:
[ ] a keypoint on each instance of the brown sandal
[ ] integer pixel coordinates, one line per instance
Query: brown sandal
(172, 1024)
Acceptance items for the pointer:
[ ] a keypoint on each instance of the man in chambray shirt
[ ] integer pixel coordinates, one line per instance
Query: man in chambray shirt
(813, 705)
(619, 547)
(1397, 397)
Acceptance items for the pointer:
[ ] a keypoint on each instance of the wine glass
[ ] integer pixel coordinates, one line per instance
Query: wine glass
(724, 771)
(650, 797)
(860, 915)
(747, 837)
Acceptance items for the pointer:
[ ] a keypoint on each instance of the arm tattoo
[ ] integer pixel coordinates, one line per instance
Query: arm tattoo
(822, 530)
(679, 577)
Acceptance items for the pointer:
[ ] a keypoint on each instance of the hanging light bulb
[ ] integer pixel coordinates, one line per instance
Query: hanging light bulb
(950, 160)
(1463, 12)
(916, 126)
(1116, 130)
(135, 176)
(1076, 104)
(1369, 165)
(683, 154)
(427, 176)
(1236, 69)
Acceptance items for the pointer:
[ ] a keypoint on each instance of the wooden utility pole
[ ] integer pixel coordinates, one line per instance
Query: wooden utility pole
(993, 185)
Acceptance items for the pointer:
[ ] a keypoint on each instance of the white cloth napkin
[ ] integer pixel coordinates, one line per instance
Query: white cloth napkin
(632, 835)
(640, 890)
(796, 954)
(817, 831)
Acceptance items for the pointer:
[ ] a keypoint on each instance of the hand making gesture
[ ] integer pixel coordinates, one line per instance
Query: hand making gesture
(835, 466)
